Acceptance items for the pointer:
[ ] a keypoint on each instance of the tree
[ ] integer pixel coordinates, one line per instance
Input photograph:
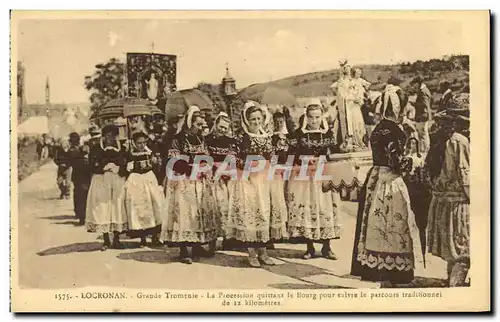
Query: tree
(214, 93)
(105, 83)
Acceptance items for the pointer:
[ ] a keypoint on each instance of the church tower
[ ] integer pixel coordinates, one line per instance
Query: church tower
(228, 89)
(47, 92)
(229, 84)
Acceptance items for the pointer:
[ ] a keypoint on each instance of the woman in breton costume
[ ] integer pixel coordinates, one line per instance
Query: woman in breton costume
(448, 166)
(387, 244)
(220, 145)
(350, 100)
(280, 137)
(279, 186)
(189, 216)
(105, 211)
(143, 197)
(253, 218)
(313, 214)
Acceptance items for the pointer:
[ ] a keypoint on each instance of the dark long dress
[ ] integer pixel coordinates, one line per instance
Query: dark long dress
(279, 186)
(158, 168)
(383, 251)
(420, 198)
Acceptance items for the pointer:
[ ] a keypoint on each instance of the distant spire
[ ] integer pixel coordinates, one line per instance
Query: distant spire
(228, 75)
(47, 91)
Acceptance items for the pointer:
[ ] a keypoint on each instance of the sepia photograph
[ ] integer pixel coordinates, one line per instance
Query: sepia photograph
(246, 161)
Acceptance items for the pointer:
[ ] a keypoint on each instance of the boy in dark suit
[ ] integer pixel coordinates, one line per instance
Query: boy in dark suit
(80, 176)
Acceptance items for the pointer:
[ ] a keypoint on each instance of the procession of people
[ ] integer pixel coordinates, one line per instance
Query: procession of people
(415, 199)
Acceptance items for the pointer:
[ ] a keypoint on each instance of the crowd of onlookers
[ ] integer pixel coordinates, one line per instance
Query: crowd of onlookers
(418, 121)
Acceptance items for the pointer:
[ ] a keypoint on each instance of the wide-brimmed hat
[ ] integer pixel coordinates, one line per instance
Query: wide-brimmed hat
(394, 80)
(74, 136)
(457, 108)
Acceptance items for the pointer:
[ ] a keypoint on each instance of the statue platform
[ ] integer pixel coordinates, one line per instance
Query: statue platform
(349, 171)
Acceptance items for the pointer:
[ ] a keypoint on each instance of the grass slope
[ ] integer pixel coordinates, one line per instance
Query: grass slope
(318, 83)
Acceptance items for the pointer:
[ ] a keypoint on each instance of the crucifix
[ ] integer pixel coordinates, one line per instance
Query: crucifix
(152, 47)
(152, 53)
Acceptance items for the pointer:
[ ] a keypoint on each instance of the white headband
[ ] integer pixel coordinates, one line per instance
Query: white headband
(324, 123)
(266, 114)
(146, 148)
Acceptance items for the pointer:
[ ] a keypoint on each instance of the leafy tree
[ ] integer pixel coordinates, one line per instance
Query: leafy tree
(105, 83)
(214, 93)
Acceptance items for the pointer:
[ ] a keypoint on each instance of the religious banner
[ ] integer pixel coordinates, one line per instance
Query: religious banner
(151, 76)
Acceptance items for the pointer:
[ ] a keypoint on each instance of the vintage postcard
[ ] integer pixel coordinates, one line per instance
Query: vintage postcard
(250, 161)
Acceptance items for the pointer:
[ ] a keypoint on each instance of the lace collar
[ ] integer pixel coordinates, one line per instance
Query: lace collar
(135, 152)
(116, 148)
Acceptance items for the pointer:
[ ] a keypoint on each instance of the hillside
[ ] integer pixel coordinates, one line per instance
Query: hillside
(454, 69)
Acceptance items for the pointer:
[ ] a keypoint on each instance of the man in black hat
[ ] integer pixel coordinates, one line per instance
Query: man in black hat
(157, 145)
(445, 89)
(422, 112)
(63, 168)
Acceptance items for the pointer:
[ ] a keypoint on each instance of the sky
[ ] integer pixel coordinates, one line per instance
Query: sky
(256, 50)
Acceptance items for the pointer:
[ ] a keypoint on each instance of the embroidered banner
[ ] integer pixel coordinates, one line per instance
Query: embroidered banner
(151, 76)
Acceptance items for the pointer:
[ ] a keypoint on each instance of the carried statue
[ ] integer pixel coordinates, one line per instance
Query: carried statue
(350, 97)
